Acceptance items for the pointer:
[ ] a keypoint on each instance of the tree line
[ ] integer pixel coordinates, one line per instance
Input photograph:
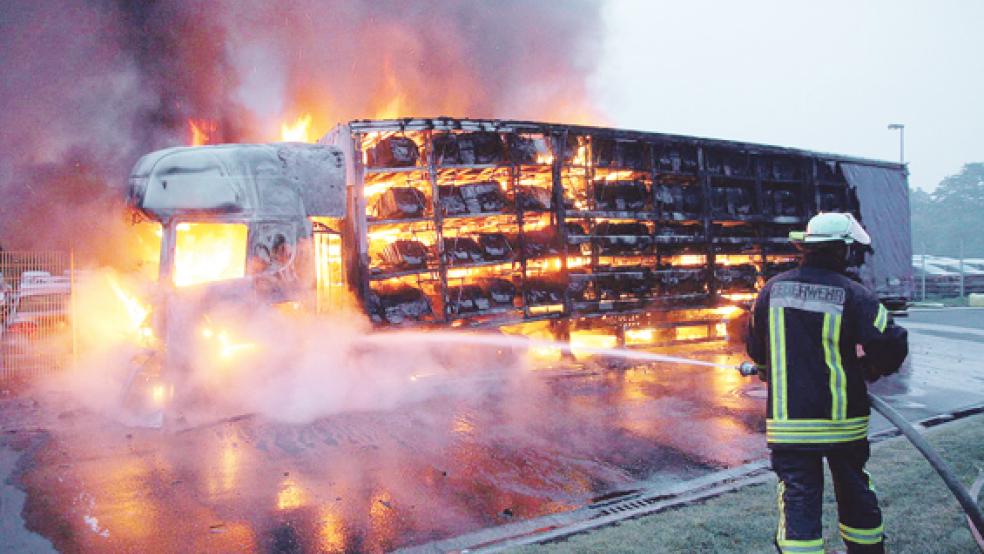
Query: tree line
(950, 215)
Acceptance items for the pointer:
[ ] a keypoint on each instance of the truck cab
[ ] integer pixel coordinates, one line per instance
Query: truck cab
(244, 217)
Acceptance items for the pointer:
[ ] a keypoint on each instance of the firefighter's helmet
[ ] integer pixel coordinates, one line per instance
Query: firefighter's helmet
(832, 227)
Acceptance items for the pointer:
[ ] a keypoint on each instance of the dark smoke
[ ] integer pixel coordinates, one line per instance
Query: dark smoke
(179, 49)
(89, 87)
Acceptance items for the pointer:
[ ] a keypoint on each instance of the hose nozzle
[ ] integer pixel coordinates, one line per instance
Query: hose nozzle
(747, 369)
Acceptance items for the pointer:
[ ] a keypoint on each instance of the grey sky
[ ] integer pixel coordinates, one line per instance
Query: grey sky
(824, 75)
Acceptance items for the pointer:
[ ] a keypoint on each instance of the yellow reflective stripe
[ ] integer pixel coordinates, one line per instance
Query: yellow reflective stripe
(787, 437)
(862, 536)
(781, 532)
(782, 360)
(829, 360)
(839, 365)
(871, 484)
(814, 431)
(778, 373)
(818, 423)
(814, 546)
(777, 331)
(881, 320)
(809, 431)
(813, 439)
(832, 355)
(774, 365)
(817, 435)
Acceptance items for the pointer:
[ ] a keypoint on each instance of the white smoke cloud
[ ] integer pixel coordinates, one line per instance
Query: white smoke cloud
(225, 360)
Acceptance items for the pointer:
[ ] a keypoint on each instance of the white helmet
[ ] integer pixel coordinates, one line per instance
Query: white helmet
(830, 227)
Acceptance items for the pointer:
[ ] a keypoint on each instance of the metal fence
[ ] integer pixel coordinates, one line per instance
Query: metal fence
(37, 335)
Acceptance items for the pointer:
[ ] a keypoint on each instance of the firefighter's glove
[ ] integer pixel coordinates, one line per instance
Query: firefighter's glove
(871, 373)
(763, 373)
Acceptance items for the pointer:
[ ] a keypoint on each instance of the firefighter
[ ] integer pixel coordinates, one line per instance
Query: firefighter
(817, 336)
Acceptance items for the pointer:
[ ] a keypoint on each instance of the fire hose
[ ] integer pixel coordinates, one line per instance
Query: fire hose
(963, 496)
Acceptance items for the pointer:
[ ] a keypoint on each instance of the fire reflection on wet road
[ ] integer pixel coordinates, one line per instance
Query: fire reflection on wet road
(375, 481)
(453, 463)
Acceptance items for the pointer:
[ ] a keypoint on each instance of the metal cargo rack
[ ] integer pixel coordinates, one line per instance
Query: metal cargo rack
(599, 221)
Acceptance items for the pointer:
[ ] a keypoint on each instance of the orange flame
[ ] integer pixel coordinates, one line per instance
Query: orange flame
(290, 495)
(201, 131)
(206, 252)
(226, 347)
(134, 319)
(135, 310)
(620, 175)
(300, 131)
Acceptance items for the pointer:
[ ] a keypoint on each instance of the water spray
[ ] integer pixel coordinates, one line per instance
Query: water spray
(444, 338)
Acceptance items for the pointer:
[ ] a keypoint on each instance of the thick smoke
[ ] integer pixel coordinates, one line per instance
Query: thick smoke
(342, 60)
(89, 87)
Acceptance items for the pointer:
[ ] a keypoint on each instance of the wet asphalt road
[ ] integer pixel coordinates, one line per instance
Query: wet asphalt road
(439, 467)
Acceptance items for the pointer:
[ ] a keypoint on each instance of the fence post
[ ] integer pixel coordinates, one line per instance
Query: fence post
(73, 315)
(924, 277)
(962, 291)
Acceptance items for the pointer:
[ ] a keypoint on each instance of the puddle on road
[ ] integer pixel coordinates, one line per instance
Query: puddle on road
(759, 393)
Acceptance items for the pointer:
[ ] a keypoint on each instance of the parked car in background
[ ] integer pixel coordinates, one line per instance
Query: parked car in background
(34, 279)
(37, 325)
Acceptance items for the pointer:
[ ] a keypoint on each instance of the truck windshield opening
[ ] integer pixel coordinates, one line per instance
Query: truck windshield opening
(208, 252)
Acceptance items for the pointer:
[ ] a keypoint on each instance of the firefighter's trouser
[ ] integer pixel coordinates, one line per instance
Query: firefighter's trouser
(800, 498)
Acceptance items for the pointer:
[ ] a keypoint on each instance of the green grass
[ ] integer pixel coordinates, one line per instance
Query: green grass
(920, 513)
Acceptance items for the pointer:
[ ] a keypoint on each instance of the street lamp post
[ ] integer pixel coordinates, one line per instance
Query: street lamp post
(901, 129)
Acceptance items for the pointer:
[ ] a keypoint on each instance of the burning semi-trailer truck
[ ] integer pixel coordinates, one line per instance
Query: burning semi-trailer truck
(543, 229)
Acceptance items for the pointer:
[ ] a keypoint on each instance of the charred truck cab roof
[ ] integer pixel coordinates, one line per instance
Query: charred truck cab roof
(271, 189)
(241, 181)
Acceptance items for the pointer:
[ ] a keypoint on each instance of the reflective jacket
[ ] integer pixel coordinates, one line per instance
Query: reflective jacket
(805, 326)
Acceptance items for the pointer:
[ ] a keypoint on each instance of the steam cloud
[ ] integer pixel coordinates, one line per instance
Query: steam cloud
(90, 86)
(233, 359)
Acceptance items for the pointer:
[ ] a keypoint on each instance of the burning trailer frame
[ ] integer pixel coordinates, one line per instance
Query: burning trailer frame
(529, 227)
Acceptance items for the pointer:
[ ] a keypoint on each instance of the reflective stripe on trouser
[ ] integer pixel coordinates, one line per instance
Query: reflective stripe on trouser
(800, 496)
(857, 506)
(800, 500)
(862, 536)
